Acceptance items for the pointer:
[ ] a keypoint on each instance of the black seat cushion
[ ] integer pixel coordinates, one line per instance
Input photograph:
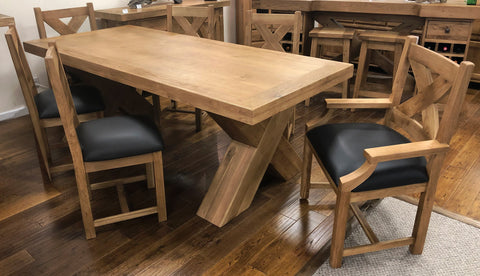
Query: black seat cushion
(116, 137)
(340, 148)
(85, 98)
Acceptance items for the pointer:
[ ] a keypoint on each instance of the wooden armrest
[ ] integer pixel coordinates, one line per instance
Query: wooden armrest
(388, 153)
(359, 103)
(319, 121)
(403, 151)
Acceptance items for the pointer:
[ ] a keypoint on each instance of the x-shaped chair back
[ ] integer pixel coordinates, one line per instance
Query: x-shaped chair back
(273, 28)
(53, 19)
(194, 21)
(441, 84)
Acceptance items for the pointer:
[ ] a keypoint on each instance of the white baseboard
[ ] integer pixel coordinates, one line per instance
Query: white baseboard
(14, 113)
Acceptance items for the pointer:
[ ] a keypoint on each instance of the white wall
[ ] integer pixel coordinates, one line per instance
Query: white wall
(11, 99)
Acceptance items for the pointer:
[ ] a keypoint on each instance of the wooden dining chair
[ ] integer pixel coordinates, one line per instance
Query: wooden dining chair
(103, 144)
(404, 155)
(43, 108)
(193, 21)
(269, 31)
(53, 19)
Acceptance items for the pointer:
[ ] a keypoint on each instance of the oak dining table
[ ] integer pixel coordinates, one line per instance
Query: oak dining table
(249, 92)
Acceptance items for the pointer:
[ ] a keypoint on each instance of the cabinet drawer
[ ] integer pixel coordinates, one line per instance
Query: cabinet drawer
(448, 30)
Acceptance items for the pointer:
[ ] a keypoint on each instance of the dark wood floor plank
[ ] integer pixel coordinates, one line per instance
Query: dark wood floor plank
(453, 176)
(216, 244)
(15, 262)
(271, 257)
(236, 262)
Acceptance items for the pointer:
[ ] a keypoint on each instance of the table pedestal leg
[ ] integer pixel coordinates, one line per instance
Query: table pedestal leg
(246, 160)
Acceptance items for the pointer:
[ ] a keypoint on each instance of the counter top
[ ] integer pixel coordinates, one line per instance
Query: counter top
(452, 9)
(154, 10)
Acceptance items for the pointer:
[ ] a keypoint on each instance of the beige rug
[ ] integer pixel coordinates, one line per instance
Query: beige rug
(452, 247)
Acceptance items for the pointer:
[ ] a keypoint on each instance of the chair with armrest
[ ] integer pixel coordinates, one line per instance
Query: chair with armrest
(52, 18)
(269, 31)
(103, 144)
(370, 161)
(43, 108)
(193, 21)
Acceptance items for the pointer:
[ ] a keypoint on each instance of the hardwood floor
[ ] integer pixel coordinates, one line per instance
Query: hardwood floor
(41, 231)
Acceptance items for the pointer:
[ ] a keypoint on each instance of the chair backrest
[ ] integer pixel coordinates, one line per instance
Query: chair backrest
(196, 26)
(432, 113)
(27, 84)
(63, 97)
(273, 28)
(52, 18)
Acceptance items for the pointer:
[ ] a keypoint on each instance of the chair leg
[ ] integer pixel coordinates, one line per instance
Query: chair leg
(84, 198)
(313, 53)
(43, 162)
(150, 175)
(198, 119)
(362, 70)
(173, 105)
(422, 219)
(159, 186)
(346, 58)
(157, 110)
(339, 228)
(396, 58)
(291, 123)
(306, 170)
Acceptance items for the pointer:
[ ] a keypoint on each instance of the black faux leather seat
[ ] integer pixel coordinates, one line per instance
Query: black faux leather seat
(117, 137)
(86, 99)
(340, 147)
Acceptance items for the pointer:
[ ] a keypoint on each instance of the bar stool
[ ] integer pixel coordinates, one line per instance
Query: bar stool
(376, 40)
(330, 36)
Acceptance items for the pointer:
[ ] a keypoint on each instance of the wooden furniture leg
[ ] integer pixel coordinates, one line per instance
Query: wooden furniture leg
(339, 228)
(246, 160)
(346, 58)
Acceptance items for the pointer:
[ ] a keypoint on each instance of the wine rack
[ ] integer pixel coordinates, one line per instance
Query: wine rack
(449, 38)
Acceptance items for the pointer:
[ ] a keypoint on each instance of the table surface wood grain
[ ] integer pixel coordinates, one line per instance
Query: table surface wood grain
(243, 83)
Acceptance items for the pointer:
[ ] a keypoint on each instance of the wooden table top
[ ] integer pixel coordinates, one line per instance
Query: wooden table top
(456, 9)
(6, 20)
(243, 83)
(155, 10)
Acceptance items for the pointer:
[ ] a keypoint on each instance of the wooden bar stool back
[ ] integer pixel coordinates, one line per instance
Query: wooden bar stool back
(401, 156)
(337, 37)
(43, 109)
(53, 19)
(270, 30)
(372, 42)
(104, 144)
(193, 21)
